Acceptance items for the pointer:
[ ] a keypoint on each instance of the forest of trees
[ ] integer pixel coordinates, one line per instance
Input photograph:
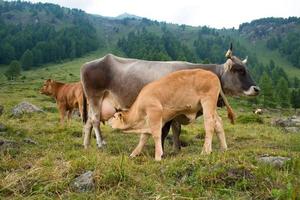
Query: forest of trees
(288, 46)
(40, 42)
(148, 46)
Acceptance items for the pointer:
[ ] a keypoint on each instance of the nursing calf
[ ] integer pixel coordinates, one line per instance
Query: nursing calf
(183, 92)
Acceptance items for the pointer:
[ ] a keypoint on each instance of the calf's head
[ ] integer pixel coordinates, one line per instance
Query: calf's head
(47, 87)
(236, 79)
(118, 121)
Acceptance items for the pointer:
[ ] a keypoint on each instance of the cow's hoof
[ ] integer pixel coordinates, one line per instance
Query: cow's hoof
(100, 147)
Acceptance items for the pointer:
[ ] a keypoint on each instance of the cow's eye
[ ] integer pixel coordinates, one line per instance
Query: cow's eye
(241, 71)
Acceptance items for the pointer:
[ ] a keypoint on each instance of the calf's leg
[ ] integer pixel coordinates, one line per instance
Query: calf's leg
(220, 132)
(155, 124)
(209, 124)
(62, 112)
(143, 139)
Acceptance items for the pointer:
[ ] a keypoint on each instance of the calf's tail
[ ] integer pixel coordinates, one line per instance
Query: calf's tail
(230, 113)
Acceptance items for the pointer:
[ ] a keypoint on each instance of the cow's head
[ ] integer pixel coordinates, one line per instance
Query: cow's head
(236, 79)
(47, 87)
(118, 121)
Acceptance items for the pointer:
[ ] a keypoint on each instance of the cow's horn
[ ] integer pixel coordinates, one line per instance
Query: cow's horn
(229, 52)
(245, 60)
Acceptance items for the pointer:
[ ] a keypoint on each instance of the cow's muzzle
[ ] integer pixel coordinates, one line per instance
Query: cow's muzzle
(252, 91)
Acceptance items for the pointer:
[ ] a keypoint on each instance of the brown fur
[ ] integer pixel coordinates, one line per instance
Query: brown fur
(183, 92)
(68, 96)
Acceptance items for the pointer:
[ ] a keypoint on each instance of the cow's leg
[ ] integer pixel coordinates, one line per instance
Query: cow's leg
(155, 124)
(95, 106)
(176, 130)
(220, 132)
(87, 130)
(143, 139)
(209, 125)
(165, 130)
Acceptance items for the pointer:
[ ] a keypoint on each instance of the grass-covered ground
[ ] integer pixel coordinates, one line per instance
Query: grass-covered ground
(46, 170)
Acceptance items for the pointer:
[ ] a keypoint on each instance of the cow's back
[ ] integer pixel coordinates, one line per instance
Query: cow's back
(123, 77)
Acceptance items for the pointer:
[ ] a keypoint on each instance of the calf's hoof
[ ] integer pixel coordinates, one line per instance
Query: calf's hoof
(158, 158)
(205, 152)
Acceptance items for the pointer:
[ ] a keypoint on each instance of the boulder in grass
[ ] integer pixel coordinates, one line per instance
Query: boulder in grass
(25, 107)
(84, 182)
(276, 161)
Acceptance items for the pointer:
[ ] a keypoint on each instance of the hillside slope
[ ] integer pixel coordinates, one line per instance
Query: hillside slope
(108, 31)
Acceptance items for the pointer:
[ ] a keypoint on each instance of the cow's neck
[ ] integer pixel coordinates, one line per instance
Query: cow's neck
(217, 69)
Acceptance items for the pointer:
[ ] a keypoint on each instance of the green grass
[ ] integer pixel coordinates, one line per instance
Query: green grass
(46, 170)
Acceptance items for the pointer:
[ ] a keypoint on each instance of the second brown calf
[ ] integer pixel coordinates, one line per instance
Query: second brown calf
(68, 96)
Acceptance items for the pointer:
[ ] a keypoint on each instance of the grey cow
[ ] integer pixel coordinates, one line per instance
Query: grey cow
(111, 83)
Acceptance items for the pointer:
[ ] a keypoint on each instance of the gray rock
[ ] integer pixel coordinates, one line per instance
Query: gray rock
(30, 141)
(1, 109)
(25, 107)
(5, 144)
(84, 182)
(292, 129)
(276, 161)
(293, 121)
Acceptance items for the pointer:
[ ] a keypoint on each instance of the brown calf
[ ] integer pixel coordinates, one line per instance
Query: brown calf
(67, 95)
(183, 92)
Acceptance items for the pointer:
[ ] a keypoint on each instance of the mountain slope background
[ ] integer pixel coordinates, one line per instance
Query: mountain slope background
(37, 34)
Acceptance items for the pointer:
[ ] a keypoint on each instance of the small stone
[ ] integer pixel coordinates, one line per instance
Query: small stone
(276, 161)
(4, 144)
(84, 182)
(30, 141)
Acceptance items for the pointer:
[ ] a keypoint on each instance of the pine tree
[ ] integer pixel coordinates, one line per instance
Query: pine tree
(27, 59)
(295, 98)
(13, 71)
(282, 93)
(267, 95)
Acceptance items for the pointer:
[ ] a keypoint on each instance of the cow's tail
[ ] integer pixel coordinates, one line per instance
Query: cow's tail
(230, 112)
(84, 109)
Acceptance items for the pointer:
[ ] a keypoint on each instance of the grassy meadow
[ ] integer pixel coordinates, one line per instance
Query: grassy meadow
(47, 169)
